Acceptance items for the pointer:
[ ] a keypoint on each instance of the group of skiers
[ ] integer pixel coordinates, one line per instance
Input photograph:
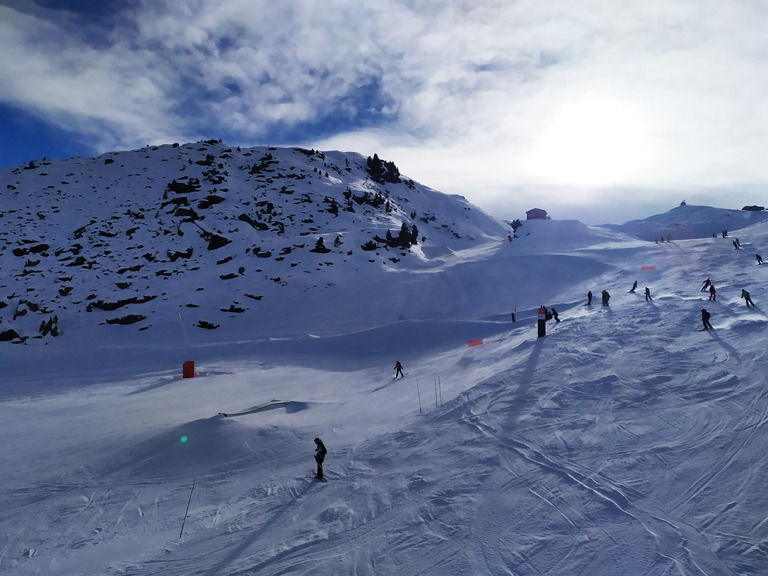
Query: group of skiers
(708, 285)
(647, 292)
(605, 297)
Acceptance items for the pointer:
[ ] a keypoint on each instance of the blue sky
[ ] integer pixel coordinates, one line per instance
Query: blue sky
(601, 111)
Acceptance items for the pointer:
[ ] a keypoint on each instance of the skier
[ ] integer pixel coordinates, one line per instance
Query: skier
(706, 285)
(606, 297)
(554, 315)
(399, 370)
(747, 298)
(712, 293)
(634, 287)
(759, 258)
(705, 319)
(648, 294)
(320, 453)
(735, 245)
(589, 297)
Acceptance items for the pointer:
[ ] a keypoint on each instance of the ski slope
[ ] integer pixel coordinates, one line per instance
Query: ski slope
(627, 441)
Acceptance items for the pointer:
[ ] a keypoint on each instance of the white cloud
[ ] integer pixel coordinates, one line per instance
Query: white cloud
(481, 95)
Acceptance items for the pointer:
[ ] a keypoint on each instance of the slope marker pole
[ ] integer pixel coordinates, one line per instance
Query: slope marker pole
(194, 480)
(419, 393)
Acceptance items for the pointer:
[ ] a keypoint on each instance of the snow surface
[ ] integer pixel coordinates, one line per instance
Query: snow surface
(626, 441)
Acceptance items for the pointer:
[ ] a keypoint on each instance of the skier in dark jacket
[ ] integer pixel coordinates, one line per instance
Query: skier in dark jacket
(606, 297)
(554, 315)
(589, 297)
(320, 453)
(398, 370)
(759, 258)
(648, 294)
(634, 287)
(705, 319)
(705, 285)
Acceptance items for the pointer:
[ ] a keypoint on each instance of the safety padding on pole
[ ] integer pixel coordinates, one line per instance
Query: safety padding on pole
(188, 369)
(542, 321)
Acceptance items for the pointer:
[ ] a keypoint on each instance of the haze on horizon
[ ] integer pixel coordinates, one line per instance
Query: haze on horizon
(600, 112)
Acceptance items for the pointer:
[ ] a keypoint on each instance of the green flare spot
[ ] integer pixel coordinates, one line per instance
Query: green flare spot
(183, 438)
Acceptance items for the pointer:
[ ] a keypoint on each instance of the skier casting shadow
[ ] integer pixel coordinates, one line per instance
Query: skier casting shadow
(399, 370)
(747, 299)
(320, 453)
(705, 319)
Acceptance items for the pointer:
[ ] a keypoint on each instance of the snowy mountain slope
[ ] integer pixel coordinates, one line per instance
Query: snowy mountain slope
(85, 239)
(624, 442)
(687, 222)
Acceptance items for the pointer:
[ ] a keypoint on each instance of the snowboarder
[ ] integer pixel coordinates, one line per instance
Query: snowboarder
(706, 285)
(747, 298)
(705, 319)
(712, 293)
(606, 297)
(648, 294)
(554, 315)
(759, 258)
(589, 297)
(320, 453)
(634, 287)
(399, 370)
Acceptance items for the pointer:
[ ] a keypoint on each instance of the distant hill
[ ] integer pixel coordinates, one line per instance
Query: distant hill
(686, 222)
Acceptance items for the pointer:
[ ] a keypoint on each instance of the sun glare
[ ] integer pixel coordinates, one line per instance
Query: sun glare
(592, 141)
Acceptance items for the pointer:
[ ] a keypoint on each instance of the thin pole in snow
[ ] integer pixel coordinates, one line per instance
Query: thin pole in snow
(419, 393)
(194, 480)
(184, 332)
